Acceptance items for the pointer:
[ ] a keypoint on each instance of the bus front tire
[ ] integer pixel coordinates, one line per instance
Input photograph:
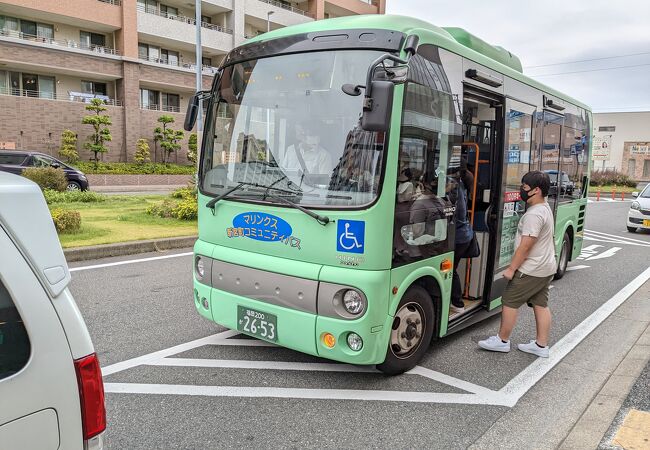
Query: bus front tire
(564, 257)
(411, 332)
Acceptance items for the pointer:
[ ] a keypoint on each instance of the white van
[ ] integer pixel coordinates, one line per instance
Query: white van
(51, 389)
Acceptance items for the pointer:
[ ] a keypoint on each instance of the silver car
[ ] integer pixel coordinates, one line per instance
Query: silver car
(639, 215)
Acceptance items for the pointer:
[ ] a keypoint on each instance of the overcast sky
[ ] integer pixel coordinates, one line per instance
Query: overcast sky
(561, 31)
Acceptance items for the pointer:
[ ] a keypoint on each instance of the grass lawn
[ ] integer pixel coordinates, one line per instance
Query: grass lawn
(121, 219)
(610, 188)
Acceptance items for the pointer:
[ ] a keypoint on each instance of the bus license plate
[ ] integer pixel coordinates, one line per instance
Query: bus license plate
(646, 222)
(258, 324)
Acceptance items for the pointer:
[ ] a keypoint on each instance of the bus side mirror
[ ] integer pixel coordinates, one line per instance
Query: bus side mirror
(192, 112)
(378, 107)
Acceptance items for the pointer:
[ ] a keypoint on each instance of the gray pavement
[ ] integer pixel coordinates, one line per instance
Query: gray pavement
(136, 309)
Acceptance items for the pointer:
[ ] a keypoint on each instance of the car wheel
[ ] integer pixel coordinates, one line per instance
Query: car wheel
(73, 186)
(411, 332)
(564, 257)
(631, 229)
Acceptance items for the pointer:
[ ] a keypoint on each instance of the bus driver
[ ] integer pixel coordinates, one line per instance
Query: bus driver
(308, 155)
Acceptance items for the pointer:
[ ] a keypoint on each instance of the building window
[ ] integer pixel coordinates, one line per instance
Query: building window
(149, 99)
(168, 11)
(169, 57)
(27, 29)
(646, 168)
(206, 61)
(171, 102)
(93, 87)
(150, 6)
(206, 19)
(610, 129)
(631, 167)
(10, 26)
(92, 40)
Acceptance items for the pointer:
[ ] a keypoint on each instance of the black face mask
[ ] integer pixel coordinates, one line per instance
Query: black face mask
(525, 193)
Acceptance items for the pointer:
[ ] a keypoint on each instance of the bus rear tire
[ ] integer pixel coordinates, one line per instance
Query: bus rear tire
(564, 257)
(411, 332)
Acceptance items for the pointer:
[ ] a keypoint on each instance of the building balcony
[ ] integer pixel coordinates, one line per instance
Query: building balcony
(179, 64)
(282, 14)
(100, 15)
(164, 108)
(60, 44)
(161, 27)
(70, 96)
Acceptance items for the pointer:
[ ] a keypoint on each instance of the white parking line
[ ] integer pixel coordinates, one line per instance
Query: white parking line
(509, 395)
(129, 261)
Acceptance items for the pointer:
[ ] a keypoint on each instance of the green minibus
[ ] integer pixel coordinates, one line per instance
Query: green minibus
(329, 176)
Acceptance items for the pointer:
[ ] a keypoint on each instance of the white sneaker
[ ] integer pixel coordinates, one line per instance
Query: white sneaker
(456, 309)
(534, 349)
(495, 344)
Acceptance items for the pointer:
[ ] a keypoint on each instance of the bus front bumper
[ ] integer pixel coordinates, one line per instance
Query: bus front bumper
(304, 331)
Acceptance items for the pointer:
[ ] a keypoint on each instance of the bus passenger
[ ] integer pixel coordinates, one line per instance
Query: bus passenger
(531, 270)
(464, 234)
(308, 155)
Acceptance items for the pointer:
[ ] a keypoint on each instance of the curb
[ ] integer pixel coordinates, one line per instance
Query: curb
(127, 248)
(595, 421)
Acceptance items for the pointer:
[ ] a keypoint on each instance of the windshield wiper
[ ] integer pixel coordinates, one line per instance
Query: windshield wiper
(323, 220)
(211, 204)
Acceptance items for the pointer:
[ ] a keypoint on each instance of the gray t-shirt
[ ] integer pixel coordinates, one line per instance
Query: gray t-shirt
(538, 222)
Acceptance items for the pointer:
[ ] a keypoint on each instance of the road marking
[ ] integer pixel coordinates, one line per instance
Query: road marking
(617, 237)
(606, 254)
(528, 377)
(130, 261)
(577, 267)
(508, 395)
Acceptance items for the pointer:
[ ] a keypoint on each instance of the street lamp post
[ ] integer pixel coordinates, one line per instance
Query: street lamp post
(268, 21)
(199, 76)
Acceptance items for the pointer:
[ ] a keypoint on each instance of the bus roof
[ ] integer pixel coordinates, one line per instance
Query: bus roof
(453, 39)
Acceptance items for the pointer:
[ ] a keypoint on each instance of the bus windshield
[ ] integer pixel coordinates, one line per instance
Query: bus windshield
(282, 127)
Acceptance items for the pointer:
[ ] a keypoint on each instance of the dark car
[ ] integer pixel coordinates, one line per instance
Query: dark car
(566, 185)
(16, 161)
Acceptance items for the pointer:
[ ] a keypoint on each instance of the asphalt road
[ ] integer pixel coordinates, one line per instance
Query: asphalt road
(135, 309)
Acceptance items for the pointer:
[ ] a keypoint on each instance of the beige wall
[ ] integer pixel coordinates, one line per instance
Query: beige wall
(630, 127)
(93, 11)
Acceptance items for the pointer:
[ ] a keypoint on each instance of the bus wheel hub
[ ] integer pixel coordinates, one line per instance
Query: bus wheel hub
(407, 330)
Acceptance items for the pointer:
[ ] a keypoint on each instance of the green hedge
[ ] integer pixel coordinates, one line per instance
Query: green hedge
(72, 196)
(47, 178)
(66, 220)
(611, 177)
(135, 169)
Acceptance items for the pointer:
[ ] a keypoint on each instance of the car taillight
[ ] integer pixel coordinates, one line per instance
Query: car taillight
(91, 394)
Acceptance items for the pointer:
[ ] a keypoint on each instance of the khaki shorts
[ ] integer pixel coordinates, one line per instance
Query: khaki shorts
(526, 289)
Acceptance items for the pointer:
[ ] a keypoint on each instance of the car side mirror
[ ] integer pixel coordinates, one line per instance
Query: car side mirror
(192, 112)
(635, 194)
(55, 165)
(377, 108)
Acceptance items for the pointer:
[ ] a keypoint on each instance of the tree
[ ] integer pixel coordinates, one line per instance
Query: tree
(192, 146)
(68, 149)
(100, 123)
(167, 136)
(142, 153)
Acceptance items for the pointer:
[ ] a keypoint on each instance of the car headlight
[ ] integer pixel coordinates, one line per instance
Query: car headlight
(353, 302)
(199, 266)
(635, 205)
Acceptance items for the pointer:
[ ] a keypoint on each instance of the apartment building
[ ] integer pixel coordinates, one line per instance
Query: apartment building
(138, 56)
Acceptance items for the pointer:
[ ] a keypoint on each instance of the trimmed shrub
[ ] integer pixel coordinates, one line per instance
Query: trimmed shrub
(72, 196)
(186, 192)
(142, 153)
(68, 148)
(47, 178)
(135, 169)
(186, 209)
(66, 221)
(611, 177)
(163, 209)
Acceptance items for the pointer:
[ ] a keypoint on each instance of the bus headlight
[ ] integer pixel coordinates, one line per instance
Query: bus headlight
(355, 342)
(353, 302)
(635, 205)
(199, 266)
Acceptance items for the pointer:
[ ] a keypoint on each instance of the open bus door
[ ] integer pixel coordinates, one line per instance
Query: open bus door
(507, 207)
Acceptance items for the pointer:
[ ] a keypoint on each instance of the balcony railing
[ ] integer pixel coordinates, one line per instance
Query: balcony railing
(166, 108)
(178, 63)
(69, 97)
(67, 43)
(287, 7)
(184, 19)
(112, 2)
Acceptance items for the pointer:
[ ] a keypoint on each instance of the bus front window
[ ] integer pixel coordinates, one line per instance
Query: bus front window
(282, 126)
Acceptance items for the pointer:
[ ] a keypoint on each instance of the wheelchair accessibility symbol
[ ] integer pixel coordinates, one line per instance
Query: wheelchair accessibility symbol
(350, 236)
